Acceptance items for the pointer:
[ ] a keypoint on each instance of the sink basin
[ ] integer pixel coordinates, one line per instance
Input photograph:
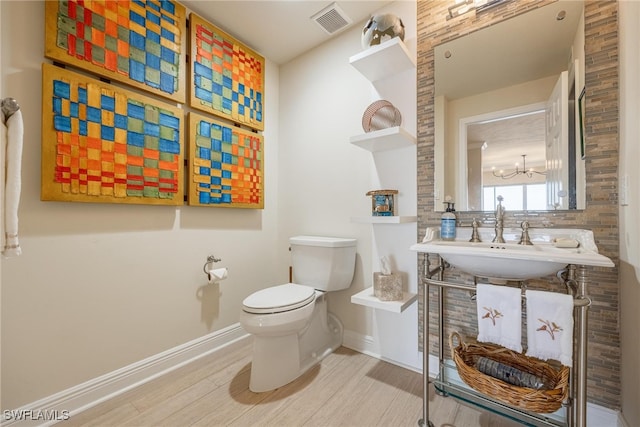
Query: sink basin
(511, 261)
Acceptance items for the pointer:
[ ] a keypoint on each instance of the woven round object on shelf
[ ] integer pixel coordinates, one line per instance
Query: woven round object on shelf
(379, 115)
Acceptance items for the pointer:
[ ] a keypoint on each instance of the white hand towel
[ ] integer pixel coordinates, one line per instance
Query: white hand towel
(13, 172)
(550, 326)
(500, 315)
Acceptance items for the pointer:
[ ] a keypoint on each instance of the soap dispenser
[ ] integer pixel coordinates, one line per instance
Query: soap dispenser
(448, 221)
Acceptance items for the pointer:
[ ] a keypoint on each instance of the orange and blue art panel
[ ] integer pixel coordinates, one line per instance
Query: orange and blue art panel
(105, 144)
(227, 77)
(139, 43)
(226, 164)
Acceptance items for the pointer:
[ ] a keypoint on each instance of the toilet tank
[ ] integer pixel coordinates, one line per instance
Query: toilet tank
(326, 263)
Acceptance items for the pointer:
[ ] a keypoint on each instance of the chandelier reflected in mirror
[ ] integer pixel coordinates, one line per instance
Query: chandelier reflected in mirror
(524, 171)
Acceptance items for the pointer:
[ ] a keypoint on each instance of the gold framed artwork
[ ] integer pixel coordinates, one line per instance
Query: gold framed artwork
(106, 144)
(139, 43)
(227, 77)
(226, 164)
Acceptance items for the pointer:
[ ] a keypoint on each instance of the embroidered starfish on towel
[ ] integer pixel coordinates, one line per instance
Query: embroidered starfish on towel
(492, 314)
(550, 327)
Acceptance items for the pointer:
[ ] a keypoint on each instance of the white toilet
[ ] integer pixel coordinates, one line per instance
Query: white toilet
(290, 323)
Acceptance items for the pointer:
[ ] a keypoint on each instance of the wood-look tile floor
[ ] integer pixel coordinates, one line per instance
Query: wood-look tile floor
(347, 389)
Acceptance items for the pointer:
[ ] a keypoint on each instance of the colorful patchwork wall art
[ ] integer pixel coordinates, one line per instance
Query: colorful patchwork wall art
(227, 77)
(139, 43)
(105, 144)
(226, 165)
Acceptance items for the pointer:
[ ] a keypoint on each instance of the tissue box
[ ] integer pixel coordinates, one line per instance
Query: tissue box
(387, 287)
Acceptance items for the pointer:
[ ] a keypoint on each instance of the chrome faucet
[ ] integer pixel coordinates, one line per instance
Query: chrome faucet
(499, 221)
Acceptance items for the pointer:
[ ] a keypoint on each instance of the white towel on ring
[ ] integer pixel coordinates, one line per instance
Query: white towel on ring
(499, 315)
(550, 326)
(13, 183)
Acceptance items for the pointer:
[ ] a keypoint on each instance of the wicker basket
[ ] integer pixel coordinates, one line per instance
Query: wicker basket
(465, 355)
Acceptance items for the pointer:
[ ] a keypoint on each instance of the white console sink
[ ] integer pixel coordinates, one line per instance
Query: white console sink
(511, 261)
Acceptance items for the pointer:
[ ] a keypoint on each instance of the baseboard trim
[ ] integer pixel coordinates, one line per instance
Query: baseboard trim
(597, 416)
(83, 396)
(622, 422)
(366, 344)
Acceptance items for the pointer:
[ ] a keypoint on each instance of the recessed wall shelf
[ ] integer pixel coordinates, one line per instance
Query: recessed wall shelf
(381, 61)
(367, 298)
(384, 219)
(384, 139)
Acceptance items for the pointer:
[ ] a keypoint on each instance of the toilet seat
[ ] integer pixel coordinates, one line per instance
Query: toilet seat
(278, 299)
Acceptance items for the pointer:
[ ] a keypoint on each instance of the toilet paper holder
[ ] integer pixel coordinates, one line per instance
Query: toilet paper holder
(208, 266)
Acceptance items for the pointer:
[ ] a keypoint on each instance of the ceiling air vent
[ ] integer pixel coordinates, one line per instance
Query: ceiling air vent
(332, 19)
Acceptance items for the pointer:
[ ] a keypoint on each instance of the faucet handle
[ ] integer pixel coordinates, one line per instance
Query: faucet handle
(524, 238)
(475, 236)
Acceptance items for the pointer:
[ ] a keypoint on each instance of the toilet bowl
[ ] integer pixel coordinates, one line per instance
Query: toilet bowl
(291, 327)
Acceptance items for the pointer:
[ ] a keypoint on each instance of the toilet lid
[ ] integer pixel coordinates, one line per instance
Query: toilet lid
(277, 299)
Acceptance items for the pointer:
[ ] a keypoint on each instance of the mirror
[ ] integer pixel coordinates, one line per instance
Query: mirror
(508, 103)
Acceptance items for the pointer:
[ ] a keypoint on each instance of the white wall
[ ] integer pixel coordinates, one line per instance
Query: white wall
(629, 18)
(324, 179)
(101, 286)
(2, 151)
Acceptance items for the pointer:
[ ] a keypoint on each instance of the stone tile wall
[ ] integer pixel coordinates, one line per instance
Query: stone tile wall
(601, 146)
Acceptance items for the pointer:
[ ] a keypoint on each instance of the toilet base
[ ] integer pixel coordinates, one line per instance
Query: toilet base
(267, 375)
(279, 360)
